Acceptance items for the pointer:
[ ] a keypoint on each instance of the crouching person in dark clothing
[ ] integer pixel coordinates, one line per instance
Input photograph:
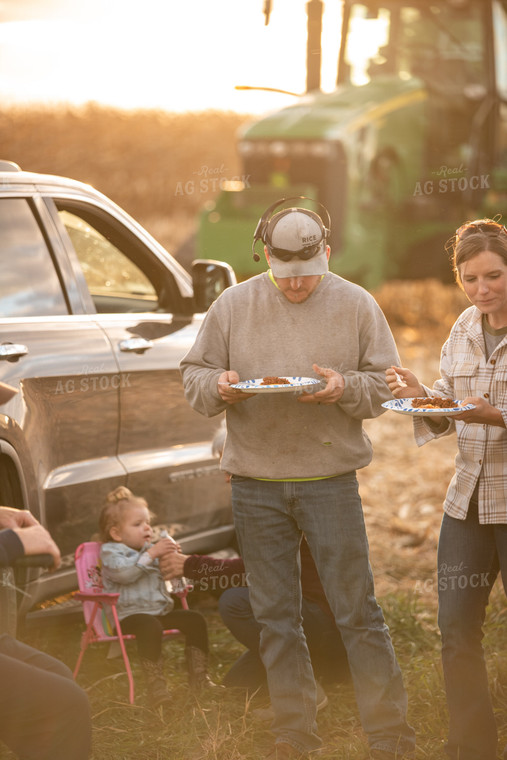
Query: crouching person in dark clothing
(44, 714)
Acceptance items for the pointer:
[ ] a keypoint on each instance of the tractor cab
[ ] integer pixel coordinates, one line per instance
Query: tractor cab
(412, 142)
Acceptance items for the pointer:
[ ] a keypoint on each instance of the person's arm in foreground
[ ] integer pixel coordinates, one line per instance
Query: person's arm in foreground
(22, 535)
(201, 566)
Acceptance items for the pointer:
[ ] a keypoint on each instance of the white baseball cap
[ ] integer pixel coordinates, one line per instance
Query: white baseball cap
(296, 242)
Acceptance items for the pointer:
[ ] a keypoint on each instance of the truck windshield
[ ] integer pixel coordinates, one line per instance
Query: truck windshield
(433, 41)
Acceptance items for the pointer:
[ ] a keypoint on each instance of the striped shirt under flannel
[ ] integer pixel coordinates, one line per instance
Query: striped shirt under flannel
(482, 449)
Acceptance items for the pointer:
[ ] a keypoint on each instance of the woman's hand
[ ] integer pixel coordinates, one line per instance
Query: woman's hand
(483, 414)
(162, 547)
(403, 383)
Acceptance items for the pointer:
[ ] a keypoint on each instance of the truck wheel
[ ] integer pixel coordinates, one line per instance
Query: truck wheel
(10, 487)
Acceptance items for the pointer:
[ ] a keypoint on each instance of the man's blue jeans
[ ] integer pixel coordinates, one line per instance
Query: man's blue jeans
(270, 518)
(469, 556)
(328, 655)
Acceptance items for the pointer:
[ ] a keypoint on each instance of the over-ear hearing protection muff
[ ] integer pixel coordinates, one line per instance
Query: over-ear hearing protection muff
(263, 231)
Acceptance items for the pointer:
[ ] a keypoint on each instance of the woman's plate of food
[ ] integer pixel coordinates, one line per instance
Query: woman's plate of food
(434, 406)
(276, 384)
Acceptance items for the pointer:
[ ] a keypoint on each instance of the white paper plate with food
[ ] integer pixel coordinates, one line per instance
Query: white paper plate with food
(434, 406)
(276, 384)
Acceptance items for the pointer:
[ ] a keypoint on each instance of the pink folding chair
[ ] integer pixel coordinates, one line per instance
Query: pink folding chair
(99, 608)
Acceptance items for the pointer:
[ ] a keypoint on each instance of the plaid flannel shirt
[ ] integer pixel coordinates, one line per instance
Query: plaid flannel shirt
(482, 449)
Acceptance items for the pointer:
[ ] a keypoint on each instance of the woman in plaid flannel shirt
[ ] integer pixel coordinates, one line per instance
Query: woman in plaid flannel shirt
(473, 538)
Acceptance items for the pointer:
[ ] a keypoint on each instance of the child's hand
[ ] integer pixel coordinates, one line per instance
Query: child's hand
(164, 546)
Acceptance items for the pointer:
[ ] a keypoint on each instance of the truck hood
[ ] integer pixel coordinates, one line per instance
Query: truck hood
(325, 116)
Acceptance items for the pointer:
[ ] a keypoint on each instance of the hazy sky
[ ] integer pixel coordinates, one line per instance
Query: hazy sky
(172, 54)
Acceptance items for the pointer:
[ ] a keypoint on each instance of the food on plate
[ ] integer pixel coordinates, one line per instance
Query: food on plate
(275, 381)
(434, 402)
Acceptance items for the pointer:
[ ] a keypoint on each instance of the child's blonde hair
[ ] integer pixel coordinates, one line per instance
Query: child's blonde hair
(116, 505)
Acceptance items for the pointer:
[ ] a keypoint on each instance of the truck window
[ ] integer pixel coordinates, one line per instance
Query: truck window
(32, 287)
(116, 278)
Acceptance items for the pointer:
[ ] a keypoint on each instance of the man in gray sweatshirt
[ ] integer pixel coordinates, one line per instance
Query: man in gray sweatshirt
(293, 457)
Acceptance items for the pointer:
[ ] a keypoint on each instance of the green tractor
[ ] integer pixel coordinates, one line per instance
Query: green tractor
(412, 142)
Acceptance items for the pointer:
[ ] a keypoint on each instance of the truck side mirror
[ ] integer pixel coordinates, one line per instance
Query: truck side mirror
(209, 279)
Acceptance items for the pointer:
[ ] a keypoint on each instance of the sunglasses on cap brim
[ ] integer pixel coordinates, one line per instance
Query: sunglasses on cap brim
(304, 253)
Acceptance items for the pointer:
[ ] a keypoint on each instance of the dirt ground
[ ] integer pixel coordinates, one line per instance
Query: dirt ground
(403, 488)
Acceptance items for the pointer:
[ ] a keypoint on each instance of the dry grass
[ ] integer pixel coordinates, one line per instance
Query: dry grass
(143, 160)
(222, 728)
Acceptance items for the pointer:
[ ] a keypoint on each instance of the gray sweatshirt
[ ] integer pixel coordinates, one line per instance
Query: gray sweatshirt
(254, 329)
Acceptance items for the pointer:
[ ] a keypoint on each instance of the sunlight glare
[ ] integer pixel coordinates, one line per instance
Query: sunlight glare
(162, 54)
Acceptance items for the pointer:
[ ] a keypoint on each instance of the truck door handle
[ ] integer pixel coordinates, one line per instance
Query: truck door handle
(135, 345)
(12, 351)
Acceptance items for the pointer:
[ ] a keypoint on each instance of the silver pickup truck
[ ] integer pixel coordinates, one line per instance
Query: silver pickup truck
(94, 318)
